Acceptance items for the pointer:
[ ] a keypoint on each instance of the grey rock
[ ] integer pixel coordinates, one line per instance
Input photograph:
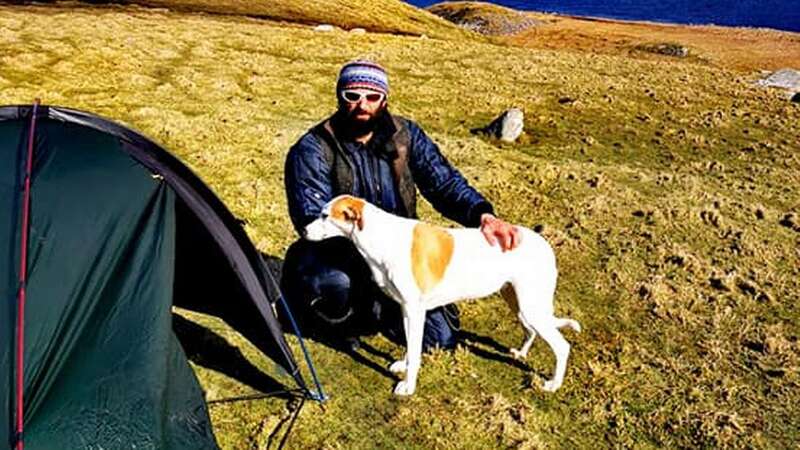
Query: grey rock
(507, 127)
(666, 48)
(784, 78)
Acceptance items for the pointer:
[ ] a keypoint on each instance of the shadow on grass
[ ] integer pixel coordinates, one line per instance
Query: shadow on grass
(345, 348)
(206, 282)
(210, 350)
(312, 328)
(496, 352)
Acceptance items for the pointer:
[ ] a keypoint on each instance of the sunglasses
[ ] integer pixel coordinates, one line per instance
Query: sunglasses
(357, 96)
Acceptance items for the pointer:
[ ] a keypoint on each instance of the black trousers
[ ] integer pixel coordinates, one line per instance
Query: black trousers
(329, 285)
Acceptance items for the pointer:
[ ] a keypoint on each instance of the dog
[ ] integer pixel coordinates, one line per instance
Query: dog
(422, 267)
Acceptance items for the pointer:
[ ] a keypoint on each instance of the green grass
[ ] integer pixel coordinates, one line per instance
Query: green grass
(661, 187)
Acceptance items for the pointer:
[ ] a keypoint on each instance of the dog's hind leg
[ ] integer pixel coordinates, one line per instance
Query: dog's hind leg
(530, 333)
(510, 295)
(548, 330)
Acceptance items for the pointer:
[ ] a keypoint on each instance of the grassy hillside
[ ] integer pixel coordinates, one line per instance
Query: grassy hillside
(388, 16)
(669, 191)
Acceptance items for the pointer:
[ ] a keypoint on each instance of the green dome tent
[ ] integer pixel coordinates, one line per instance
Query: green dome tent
(110, 233)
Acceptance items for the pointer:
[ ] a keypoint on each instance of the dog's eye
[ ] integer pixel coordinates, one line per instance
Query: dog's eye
(323, 215)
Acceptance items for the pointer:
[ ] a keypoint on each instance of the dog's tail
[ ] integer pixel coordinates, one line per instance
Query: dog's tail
(561, 323)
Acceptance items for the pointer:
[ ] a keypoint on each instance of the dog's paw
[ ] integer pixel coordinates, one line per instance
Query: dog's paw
(404, 388)
(517, 354)
(551, 386)
(398, 366)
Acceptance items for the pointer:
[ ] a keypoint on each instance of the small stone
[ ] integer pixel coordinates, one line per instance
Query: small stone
(324, 28)
(507, 127)
(358, 31)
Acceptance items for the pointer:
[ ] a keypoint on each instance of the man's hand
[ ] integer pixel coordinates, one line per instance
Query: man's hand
(496, 230)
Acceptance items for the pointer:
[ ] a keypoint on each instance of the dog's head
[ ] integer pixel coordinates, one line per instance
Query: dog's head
(342, 216)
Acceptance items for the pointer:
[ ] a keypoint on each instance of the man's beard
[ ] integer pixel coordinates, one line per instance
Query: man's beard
(354, 127)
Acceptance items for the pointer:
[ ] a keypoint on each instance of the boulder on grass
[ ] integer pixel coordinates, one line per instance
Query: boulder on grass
(507, 127)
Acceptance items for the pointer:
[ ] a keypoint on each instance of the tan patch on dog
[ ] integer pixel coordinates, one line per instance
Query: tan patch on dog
(349, 209)
(431, 250)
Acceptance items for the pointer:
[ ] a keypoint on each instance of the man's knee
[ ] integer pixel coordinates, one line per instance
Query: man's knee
(327, 295)
(441, 328)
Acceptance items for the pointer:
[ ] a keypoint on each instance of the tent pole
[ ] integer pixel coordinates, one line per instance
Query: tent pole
(23, 279)
(320, 394)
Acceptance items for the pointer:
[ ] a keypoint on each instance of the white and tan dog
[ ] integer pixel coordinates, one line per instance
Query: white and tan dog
(422, 267)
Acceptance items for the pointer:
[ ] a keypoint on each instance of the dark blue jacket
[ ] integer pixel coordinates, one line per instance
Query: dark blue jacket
(308, 177)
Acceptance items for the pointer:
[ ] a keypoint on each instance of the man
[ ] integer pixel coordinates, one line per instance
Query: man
(365, 151)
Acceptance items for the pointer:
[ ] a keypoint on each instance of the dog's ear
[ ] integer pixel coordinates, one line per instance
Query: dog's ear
(349, 209)
(352, 213)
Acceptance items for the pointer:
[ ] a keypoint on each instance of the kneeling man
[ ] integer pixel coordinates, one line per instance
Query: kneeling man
(365, 151)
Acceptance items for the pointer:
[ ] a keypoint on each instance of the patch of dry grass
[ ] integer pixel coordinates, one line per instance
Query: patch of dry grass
(385, 16)
(664, 187)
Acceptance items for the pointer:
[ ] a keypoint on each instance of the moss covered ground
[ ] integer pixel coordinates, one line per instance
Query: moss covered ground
(668, 188)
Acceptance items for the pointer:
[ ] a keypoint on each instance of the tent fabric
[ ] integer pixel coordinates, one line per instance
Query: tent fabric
(103, 368)
(10, 170)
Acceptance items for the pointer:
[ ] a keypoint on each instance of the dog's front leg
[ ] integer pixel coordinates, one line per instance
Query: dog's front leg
(414, 319)
(400, 365)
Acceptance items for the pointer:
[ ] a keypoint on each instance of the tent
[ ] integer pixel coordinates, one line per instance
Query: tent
(110, 231)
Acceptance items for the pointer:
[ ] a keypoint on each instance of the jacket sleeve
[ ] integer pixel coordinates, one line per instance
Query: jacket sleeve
(441, 184)
(308, 181)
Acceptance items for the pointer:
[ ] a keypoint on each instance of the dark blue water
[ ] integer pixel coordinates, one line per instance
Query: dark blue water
(782, 15)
